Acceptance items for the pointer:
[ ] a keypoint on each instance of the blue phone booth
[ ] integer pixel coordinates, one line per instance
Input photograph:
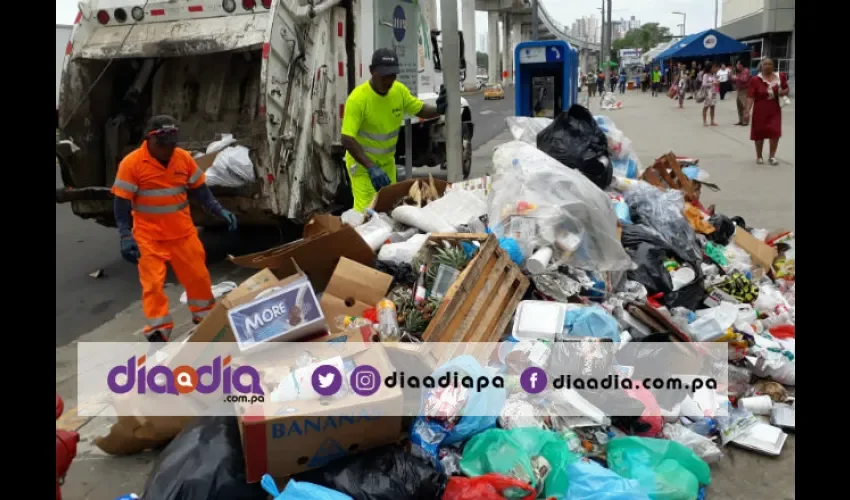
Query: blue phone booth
(546, 77)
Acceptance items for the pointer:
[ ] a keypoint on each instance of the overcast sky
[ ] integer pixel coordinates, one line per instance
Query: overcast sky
(700, 12)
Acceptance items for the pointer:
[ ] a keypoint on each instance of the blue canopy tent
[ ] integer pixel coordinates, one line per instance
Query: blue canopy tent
(706, 44)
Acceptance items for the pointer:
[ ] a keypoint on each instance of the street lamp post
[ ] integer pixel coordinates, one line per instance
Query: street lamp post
(715, 14)
(685, 20)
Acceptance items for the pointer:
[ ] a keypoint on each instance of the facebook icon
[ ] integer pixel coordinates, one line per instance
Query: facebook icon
(533, 380)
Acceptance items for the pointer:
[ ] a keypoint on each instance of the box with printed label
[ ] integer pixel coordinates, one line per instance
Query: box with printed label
(286, 438)
(289, 312)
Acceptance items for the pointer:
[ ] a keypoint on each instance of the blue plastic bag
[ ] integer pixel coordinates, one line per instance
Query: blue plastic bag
(621, 208)
(591, 481)
(479, 413)
(511, 246)
(300, 491)
(592, 322)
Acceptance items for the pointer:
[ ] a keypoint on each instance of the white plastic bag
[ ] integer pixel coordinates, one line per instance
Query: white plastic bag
(701, 445)
(231, 168)
(374, 232)
(226, 140)
(712, 323)
(403, 252)
(421, 219)
(540, 202)
(525, 128)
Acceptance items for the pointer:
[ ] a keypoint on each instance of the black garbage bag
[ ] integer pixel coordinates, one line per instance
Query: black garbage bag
(649, 251)
(204, 462)
(724, 229)
(387, 473)
(574, 139)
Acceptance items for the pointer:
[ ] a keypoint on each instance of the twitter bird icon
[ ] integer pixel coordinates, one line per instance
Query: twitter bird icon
(326, 380)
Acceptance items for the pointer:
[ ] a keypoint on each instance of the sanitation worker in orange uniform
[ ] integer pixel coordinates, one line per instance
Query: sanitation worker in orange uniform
(152, 190)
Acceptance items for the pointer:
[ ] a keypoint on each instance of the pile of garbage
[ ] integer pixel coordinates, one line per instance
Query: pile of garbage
(574, 241)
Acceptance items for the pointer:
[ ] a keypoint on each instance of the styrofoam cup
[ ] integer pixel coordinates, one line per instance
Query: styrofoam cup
(539, 260)
(758, 405)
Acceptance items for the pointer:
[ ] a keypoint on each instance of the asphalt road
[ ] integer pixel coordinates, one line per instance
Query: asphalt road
(84, 247)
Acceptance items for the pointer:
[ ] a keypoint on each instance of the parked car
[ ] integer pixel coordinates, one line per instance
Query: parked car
(494, 91)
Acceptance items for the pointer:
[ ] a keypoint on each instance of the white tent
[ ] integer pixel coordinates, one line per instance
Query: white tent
(661, 47)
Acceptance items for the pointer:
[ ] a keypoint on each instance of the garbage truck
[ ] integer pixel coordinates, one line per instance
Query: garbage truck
(274, 74)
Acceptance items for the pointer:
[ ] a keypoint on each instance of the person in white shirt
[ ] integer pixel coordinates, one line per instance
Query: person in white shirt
(723, 78)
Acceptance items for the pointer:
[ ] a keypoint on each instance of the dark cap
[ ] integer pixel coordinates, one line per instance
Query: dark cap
(384, 62)
(165, 129)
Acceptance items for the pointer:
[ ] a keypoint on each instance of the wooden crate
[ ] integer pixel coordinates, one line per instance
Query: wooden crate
(482, 300)
(666, 173)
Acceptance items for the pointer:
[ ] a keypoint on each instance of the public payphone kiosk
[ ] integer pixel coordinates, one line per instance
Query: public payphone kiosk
(546, 77)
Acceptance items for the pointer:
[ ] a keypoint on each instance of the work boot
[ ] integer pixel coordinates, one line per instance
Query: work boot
(156, 336)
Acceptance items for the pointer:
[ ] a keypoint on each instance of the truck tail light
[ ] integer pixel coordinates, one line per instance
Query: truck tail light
(102, 16)
(228, 5)
(249, 4)
(138, 13)
(120, 15)
(267, 4)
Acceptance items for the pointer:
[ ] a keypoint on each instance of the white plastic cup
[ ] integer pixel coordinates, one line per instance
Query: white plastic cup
(539, 261)
(757, 405)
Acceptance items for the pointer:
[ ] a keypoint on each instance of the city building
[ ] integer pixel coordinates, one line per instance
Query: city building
(766, 26)
(634, 24)
(586, 28)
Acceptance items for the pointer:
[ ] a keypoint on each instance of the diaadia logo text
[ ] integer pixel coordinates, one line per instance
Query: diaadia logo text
(207, 379)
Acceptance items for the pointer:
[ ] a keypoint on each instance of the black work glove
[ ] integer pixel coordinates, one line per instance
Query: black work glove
(130, 250)
(442, 101)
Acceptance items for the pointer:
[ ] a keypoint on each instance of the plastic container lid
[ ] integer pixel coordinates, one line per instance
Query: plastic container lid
(538, 320)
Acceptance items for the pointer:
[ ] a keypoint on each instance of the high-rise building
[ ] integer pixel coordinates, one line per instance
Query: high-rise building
(633, 23)
(585, 28)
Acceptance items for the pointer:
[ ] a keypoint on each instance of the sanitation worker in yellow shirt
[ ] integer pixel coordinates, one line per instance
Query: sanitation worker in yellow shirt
(370, 126)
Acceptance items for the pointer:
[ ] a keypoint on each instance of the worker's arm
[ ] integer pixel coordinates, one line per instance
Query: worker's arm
(124, 189)
(415, 107)
(352, 120)
(198, 190)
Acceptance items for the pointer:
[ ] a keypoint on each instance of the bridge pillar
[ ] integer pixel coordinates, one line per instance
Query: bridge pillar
(493, 47)
(469, 38)
(507, 52)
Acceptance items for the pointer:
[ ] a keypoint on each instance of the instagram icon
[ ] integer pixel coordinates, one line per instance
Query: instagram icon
(365, 380)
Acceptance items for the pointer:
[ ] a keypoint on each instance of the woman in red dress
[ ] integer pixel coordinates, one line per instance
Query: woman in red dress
(763, 96)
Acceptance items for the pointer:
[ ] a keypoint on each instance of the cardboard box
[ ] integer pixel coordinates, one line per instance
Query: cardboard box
(282, 439)
(325, 240)
(387, 197)
(762, 254)
(289, 313)
(214, 327)
(352, 289)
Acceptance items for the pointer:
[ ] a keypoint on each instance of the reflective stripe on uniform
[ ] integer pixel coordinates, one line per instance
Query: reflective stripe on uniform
(126, 186)
(200, 314)
(378, 137)
(200, 303)
(197, 175)
(162, 320)
(160, 209)
(376, 151)
(162, 192)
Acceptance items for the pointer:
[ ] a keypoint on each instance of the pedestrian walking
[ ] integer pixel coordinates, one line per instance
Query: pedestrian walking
(683, 85)
(763, 98)
(622, 81)
(656, 81)
(600, 83)
(710, 89)
(723, 78)
(613, 82)
(152, 190)
(742, 85)
(590, 81)
(692, 79)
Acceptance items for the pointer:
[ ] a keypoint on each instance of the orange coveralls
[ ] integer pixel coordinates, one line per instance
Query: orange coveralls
(164, 231)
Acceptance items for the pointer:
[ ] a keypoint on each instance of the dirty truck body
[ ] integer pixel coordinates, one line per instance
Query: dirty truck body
(274, 73)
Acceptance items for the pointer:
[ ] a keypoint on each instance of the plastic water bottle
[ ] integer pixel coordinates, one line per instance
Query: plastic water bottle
(130, 496)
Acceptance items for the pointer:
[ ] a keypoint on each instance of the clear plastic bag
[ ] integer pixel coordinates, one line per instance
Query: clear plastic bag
(701, 445)
(662, 210)
(525, 128)
(540, 202)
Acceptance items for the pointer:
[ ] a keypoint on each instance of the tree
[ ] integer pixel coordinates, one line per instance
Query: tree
(482, 59)
(644, 38)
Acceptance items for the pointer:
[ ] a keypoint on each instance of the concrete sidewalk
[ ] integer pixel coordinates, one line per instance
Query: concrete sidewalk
(762, 194)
